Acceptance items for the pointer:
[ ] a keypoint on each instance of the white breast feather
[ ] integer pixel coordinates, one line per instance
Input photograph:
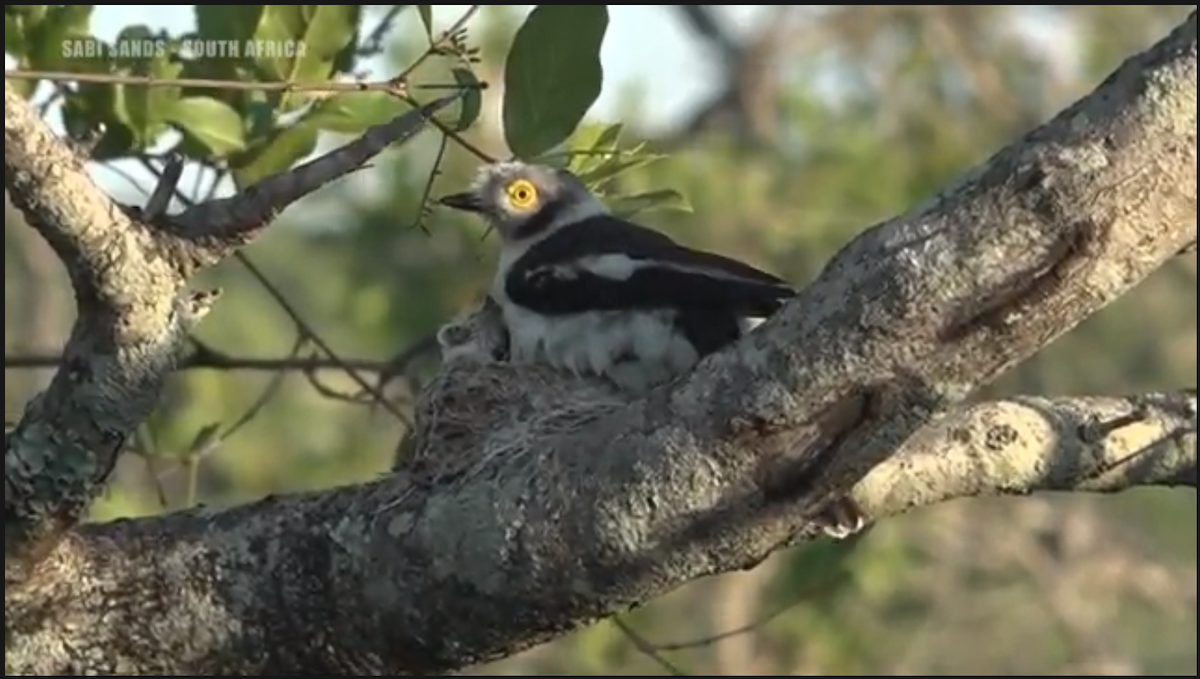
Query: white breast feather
(591, 344)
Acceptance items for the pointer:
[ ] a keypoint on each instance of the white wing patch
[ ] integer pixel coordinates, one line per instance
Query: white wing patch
(615, 267)
(619, 267)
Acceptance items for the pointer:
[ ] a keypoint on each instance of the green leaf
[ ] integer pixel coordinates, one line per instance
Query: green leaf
(228, 22)
(116, 141)
(307, 40)
(212, 122)
(663, 199)
(260, 120)
(273, 155)
(347, 57)
(236, 23)
(31, 13)
(552, 76)
(471, 104)
(127, 51)
(95, 106)
(85, 110)
(14, 35)
(592, 146)
(609, 138)
(86, 55)
(58, 35)
(353, 112)
(426, 13)
(596, 156)
(144, 107)
(219, 67)
(614, 165)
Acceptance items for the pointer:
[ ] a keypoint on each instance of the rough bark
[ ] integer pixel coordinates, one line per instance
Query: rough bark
(536, 504)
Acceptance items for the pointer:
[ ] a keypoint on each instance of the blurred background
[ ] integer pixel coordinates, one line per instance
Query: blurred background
(789, 129)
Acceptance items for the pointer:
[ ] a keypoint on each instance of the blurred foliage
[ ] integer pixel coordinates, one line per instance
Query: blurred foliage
(874, 108)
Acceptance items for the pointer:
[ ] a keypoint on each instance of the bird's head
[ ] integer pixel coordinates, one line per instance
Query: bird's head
(523, 200)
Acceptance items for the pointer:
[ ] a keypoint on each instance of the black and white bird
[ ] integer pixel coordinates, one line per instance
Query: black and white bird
(587, 292)
(584, 291)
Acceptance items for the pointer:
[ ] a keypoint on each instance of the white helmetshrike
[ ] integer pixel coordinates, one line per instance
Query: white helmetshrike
(587, 292)
(584, 291)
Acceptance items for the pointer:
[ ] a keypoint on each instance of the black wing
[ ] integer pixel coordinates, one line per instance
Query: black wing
(605, 263)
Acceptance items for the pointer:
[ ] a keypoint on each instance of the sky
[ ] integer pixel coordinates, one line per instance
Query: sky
(644, 46)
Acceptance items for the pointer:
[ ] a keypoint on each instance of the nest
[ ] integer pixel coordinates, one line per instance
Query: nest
(480, 406)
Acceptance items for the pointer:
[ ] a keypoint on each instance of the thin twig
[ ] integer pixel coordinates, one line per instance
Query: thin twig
(646, 647)
(458, 138)
(737, 631)
(264, 398)
(393, 86)
(307, 330)
(328, 87)
(423, 209)
(439, 44)
(211, 359)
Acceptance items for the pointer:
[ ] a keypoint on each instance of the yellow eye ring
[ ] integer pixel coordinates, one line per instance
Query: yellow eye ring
(522, 194)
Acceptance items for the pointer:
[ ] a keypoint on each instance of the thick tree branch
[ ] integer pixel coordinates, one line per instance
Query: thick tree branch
(129, 269)
(1021, 445)
(131, 317)
(403, 586)
(534, 504)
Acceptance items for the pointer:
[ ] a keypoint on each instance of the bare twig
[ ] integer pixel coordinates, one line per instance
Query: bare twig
(394, 86)
(211, 359)
(646, 648)
(440, 43)
(711, 639)
(458, 138)
(168, 180)
(307, 330)
(427, 191)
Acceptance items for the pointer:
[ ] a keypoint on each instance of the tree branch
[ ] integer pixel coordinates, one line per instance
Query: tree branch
(207, 358)
(132, 314)
(129, 269)
(534, 503)
(1020, 445)
(402, 586)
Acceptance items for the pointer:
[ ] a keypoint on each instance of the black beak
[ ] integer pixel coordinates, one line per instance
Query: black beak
(467, 201)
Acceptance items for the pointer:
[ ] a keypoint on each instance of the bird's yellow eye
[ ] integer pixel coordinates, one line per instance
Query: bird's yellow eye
(522, 194)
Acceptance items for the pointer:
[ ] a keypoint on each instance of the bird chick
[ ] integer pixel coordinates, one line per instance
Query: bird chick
(477, 336)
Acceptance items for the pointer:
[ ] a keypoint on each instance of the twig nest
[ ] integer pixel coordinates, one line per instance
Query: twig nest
(480, 406)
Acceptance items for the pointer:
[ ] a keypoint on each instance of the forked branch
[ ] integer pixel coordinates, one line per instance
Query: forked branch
(129, 268)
